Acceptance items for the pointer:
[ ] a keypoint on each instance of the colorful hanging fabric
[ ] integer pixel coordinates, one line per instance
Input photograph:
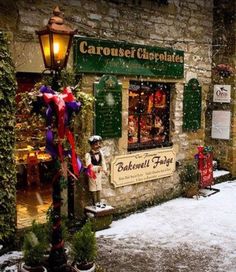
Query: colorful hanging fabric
(62, 105)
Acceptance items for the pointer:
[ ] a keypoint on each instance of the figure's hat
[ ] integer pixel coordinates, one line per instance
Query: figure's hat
(95, 138)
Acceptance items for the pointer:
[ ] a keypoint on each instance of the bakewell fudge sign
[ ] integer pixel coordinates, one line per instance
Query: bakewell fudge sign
(139, 167)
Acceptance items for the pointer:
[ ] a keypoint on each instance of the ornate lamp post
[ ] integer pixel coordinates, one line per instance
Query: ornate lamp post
(55, 41)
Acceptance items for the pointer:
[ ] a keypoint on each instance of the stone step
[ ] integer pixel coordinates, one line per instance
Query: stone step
(221, 176)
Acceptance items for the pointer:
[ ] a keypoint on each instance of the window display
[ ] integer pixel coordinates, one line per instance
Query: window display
(148, 121)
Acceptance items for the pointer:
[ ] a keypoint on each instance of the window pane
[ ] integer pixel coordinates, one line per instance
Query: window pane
(148, 114)
(146, 125)
(132, 129)
(133, 102)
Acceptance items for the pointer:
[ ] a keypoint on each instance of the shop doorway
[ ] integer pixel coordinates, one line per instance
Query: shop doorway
(34, 166)
(32, 204)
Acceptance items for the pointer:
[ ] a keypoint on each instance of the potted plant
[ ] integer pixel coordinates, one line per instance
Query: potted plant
(34, 246)
(84, 248)
(189, 178)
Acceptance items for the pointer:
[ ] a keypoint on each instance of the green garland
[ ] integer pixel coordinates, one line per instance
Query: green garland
(81, 124)
(7, 142)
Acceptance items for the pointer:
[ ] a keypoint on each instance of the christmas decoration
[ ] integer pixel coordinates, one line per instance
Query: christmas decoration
(60, 108)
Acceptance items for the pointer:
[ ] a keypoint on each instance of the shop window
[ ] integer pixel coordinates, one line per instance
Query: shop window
(148, 121)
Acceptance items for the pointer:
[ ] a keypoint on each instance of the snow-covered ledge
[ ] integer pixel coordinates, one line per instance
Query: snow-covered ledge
(219, 173)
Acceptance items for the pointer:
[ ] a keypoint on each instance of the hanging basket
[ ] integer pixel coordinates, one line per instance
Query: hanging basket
(224, 70)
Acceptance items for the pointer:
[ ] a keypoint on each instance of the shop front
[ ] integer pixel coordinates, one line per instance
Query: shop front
(139, 82)
(134, 87)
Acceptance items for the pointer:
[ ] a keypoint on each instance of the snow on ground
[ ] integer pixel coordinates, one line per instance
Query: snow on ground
(203, 224)
(11, 259)
(184, 220)
(206, 224)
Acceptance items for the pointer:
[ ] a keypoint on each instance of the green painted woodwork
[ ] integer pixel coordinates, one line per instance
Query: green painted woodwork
(108, 107)
(192, 106)
(112, 57)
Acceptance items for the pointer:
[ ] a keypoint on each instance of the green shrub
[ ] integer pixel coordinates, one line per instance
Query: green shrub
(189, 174)
(84, 246)
(34, 245)
(189, 178)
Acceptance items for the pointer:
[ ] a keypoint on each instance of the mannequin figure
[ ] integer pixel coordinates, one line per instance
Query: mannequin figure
(95, 162)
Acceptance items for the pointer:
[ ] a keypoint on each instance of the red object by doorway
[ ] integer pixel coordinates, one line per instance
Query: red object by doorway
(205, 167)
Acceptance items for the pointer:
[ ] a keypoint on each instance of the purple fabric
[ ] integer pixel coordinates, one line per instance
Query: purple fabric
(80, 165)
(81, 168)
(70, 108)
(46, 89)
(75, 106)
(50, 146)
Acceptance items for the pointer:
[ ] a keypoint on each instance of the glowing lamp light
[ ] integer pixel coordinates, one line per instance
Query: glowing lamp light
(55, 41)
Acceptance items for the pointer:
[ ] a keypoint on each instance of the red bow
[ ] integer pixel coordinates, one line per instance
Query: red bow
(59, 101)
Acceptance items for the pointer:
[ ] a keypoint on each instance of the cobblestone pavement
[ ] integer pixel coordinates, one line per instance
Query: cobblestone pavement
(132, 256)
(127, 255)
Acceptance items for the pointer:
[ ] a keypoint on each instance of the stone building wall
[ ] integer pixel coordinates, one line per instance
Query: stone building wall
(224, 50)
(182, 25)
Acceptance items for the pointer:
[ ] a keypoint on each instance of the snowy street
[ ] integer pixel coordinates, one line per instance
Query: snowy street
(181, 235)
(194, 235)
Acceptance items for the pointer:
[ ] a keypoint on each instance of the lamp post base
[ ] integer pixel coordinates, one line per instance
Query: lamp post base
(57, 260)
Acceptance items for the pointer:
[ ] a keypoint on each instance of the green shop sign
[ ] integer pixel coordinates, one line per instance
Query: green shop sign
(111, 57)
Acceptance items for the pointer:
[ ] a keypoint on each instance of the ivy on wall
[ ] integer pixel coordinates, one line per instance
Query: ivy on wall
(7, 141)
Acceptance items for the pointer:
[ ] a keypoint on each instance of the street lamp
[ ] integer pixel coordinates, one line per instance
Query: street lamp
(55, 41)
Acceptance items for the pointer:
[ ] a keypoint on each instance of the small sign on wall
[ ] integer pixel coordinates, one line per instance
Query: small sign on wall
(222, 93)
(221, 125)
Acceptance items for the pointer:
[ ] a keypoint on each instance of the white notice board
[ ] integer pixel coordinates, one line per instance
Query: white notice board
(222, 93)
(221, 125)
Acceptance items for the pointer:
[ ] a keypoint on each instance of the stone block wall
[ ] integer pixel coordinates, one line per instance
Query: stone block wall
(224, 50)
(183, 25)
